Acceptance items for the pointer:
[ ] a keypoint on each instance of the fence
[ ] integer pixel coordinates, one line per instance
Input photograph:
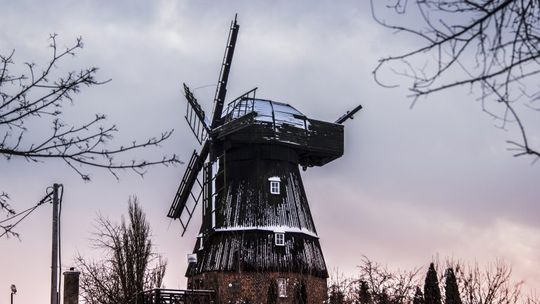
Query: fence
(174, 296)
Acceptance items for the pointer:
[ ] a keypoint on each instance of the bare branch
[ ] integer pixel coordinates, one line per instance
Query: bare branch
(489, 46)
(41, 95)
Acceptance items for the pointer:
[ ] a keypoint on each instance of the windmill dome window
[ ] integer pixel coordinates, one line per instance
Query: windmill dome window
(275, 185)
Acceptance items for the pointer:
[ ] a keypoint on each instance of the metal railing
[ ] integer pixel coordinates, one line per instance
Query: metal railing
(174, 296)
(240, 106)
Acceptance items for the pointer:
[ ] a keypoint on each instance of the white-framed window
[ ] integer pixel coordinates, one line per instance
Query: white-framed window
(275, 185)
(280, 238)
(282, 287)
(201, 243)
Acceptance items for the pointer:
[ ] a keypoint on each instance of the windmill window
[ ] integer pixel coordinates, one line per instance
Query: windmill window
(282, 287)
(201, 243)
(274, 185)
(280, 238)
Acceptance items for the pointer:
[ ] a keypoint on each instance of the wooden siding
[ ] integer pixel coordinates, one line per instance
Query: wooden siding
(247, 215)
(255, 251)
(246, 200)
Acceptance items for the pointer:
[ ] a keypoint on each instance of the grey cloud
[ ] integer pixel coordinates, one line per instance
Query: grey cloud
(442, 160)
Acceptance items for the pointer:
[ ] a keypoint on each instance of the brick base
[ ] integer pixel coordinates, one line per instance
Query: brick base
(253, 287)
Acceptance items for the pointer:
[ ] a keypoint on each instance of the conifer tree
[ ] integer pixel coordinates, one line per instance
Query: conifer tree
(383, 298)
(336, 295)
(364, 296)
(451, 290)
(418, 296)
(432, 292)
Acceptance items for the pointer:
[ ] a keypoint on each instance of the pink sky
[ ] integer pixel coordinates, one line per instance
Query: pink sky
(436, 180)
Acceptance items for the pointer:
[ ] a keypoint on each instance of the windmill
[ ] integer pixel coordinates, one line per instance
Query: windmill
(257, 230)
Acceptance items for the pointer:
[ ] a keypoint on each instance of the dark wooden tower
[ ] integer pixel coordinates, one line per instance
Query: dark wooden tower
(257, 239)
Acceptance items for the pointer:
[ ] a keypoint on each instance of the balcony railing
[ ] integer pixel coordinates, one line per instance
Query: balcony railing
(174, 296)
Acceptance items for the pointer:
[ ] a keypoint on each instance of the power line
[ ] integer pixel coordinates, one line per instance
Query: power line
(9, 228)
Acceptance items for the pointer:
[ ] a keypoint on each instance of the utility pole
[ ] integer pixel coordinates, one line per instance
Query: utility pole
(54, 255)
(13, 291)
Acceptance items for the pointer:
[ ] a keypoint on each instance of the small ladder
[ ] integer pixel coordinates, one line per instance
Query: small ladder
(212, 171)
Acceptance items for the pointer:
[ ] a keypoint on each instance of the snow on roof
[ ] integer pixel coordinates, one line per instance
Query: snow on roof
(256, 252)
(281, 229)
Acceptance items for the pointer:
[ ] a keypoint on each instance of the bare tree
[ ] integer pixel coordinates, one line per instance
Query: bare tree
(398, 286)
(377, 284)
(340, 288)
(37, 97)
(492, 284)
(130, 264)
(490, 46)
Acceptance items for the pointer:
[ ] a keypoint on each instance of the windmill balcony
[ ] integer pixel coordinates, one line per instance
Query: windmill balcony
(254, 120)
(174, 296)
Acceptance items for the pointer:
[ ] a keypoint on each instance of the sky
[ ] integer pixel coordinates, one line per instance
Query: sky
(414, 184)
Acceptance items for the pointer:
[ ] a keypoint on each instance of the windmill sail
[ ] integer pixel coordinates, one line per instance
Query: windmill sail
(186, 186)
(221, 90)
(195, 117)
(197, 122)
